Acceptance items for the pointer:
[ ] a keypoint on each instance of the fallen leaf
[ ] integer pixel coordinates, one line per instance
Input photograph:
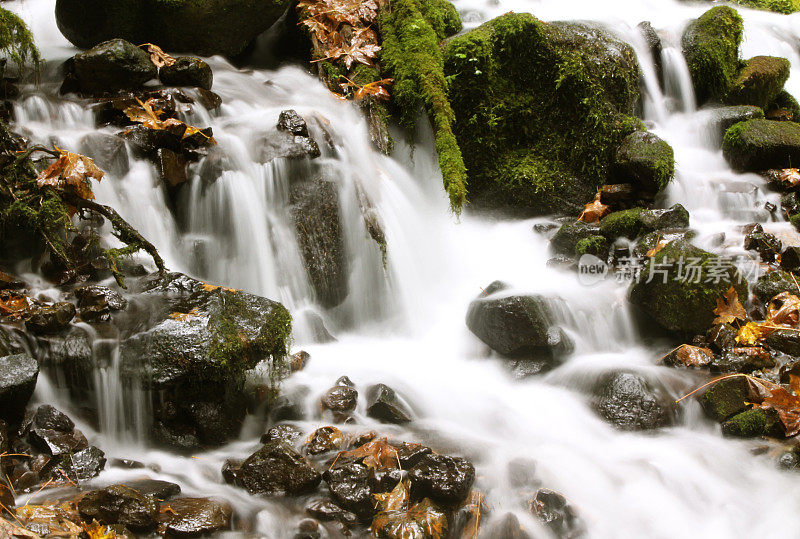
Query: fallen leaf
(71, 171)
(660, 244)
(9, 530)
(158, 56)
(694, 356)
(784, 309)
(752, 332)
(185, 317)
(397, 499)
(95, 530)
(377, 454)
(423, 521)
(594, 211)
(729, 308)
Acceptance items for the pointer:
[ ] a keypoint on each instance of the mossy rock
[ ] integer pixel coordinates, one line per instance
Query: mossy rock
(204, 27)
(644, 160)
(778, 6)
(675, 217)
(752, 423)
(711, 47)
(773, 283)
(726, 398)
(622, 224)
(759, 82)
(540, 110)
(757, 145)
(566, 239)
(593, 245)
(673, 300)
(113, 65)
(785, 106)
(723, 118)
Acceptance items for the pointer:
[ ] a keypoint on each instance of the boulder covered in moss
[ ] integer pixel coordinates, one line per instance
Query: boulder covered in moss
(726, 398)
(540, 110)
(204, 27)
(711, 47)
(622, 224)
(570, 234)
(682, 294)
(784, 107)
(759, 81)
(723, 118)
(757, 145)
(773, 283)
(785, 7)
(753, 423)
(645, 161)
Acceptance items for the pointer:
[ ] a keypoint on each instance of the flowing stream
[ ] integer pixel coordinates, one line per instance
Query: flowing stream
(404, 325)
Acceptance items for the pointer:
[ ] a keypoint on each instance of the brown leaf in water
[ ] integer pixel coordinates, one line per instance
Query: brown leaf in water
(377, 454)
(784, 309)
(423, 521)
(11, 530)
(729, 308)
(594, 211)
(71, 171)
(185, 317)
(694, 356)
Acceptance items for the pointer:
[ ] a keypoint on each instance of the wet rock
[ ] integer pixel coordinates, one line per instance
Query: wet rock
(385, 480)
(617, 194)
(340, 399)
(96, 295)
(113, 65)
(676, 303)
(515, 326)
(711, 48)
(595, 245)
(645, 161)
(293, 123)
(107, 151)
(203, 28)
(6, 496)
(276, 469)
(743, 360)
(753, 423)
(323, 440)
(209, 100)
(146, 142)
(675, 217)
(508, 527)
(192, 517)
(308, 528)
(555, 512)
(767, 245)
(522, 473)
(444, 479)
(722, 337)
(50, 319)
(784, 340)
(726, 398)
(119, 504)
(790, 258)
(57, 443)
(286, 433)
(18, 375)
(327, 510)
(757, 145)
(316, 332)
(81, 466)
(410, 454)
(759, 81)
(689, 356)
(385, 405)
(654, 45)
(290, 406)
(350, 485)
(570, 234)
(154, 488)
(622, 224)
(629, 402)
(187, 71)
(47, 417)
(171, 169)
(773, 283)
(180, 437)
(291, 139)
(317, 221)
(723, 118)
(298, 361)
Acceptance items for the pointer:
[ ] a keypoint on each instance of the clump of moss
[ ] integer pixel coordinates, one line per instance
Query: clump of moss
(645, 161)
(711, 47)
(759, 81)
(593, 245)
(540, 109)
(750, 424)
(411, 31)
(16, 40)
(622, 224)
(757, 145)
(784, 106)
(778, 6)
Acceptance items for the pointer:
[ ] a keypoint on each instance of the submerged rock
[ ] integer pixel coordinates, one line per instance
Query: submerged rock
(191, 517)
(18, 375)
(290, 139)
(557, 513)
(629, 402)
(570, 234)
(757, 145)
(325, 509)
(113, 65)
(350, 485)
(277, 470)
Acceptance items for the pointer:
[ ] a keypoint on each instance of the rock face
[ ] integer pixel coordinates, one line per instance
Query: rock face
(113, 65)
(711, 47)
(645, 161)
(757, 145)
(526, 138)
(673, 300)
(18, 375)
(628, 402)
(204, 27)
(759, 82)
(275, 469)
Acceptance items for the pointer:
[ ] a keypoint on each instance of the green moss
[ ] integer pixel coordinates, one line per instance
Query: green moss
(795, 220)
(622, 224)
(778, 6)
(594, 245)
(784, 106)
(646, 161)
(759, 81)
(540, 109)
(16, 40)
(749, 424)
(442, 16)
(711, 47)
(726, 398)
(756, 145)
(411, 56)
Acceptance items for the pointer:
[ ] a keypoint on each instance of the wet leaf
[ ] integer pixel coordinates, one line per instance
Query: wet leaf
(211, 287)
(422, 521)
(594, 211)
(146, 114)
(377, 454)
(158, 56)
(786, 403)
(660, 244)
(375, 89)
(752, 332)
(185, 317)
(11, 530)
(72, 171)
(95, 530)
(694, 356)
(788, 178)
(474, 508)
(729, 308)
(784, 309)
(397, 499)
(13, 304)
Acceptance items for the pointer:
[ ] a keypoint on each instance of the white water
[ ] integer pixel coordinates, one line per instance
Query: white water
(405, 327)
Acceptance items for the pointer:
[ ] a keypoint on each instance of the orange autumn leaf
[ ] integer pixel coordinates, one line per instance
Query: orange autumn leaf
(784, 309)
(729, 308)
(185, 317)
(694, 356)
(157, 56)
(377, 454)
(594, 211)
(71, 171)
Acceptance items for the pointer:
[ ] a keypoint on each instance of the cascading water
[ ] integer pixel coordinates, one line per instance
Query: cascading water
(403, 325)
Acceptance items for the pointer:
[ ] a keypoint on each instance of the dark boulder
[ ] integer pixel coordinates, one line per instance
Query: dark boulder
(444, 479)
(192, 517)
(384, 404)
(629, 402)
(50, 318)
(206, 27)
(753, 423)
(757, 145)
(290, 139)
(673, 218)
(119, 504)
(57, 443)
(557, 513)
(147, 142)
(285, 433)
(113, 65)
(790, 258)
(277, 470)
(767, 245)
(323, 440)
(622, 224)
(759, 81)
(645, 161)
(570, 234)
(410, 454)
(107, 151)
(327, 510)
(341, 399)
(47, 417)
(187, 71)
(350, 485)
(773, 283)
(154, 488)
(726, 398)
(18, 375)
(81, 465)
(743, 360)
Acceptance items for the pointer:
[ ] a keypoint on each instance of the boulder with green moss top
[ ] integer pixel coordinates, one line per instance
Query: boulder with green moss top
(113, 65)
(711, 47)
(645, 161)
(753, 423)
(192, 344)
(622, 224)
(757, 145)
(726, 398)
(540, 110)
(673, 218)
(778, 6)
(784, 107)
(571, 233)
(759, 81)
(682, 294)
(593, 245)
(204, 27)
(723, 118)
